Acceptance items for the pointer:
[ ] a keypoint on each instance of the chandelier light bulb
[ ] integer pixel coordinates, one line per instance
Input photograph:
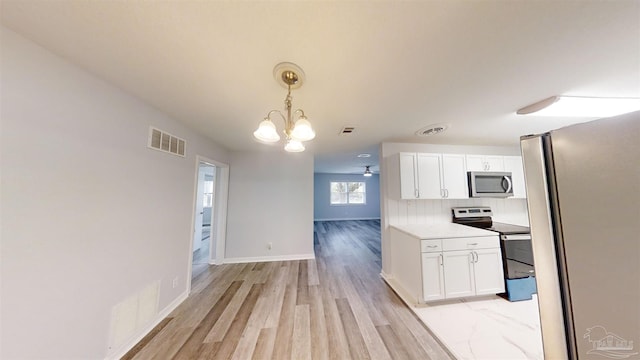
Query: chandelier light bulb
(266, 132)
(294, 146)
(302, 130)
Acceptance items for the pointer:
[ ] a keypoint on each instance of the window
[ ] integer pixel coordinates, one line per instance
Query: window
(207, 200)
(348, 193)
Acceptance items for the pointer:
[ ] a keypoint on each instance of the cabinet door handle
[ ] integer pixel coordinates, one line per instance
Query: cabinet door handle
(472, 257)
(416, 192)
(441, 260)
(477, 258)
(472, 244)
(446, 192)
(432, 246)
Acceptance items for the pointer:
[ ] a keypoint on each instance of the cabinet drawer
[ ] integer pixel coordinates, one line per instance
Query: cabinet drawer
(431, 245)
(485, 242)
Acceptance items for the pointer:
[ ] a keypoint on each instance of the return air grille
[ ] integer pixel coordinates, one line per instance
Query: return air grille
(163, 141)
(347, 130)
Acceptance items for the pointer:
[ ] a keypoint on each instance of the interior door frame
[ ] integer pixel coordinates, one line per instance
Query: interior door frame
(218, 213)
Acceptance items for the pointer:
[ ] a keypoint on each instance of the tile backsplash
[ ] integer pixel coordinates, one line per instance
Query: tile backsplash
(512, 211)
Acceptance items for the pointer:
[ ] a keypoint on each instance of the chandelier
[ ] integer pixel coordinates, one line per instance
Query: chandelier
(290, 76)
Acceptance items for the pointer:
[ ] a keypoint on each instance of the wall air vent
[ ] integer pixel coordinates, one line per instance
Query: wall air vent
(432, 130)
(347, 130)
(163, 141)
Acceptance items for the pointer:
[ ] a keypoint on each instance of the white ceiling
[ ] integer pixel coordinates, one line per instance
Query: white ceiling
(387, 68)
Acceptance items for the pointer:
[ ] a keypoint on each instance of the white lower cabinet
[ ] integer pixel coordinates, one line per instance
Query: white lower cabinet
(427, 268)
(458, 270)
(432, 276)
(465, 267)
(488, 273)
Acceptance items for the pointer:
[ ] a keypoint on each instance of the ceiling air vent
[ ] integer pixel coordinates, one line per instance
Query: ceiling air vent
(432, 130)
(347, 130)
(165, 142)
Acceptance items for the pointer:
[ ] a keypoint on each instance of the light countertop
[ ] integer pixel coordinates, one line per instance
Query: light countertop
(442, 231)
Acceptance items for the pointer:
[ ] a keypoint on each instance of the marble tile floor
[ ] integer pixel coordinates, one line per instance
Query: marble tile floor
(486, 327)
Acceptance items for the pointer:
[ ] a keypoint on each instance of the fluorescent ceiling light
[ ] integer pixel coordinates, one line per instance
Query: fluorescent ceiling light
(577, 106)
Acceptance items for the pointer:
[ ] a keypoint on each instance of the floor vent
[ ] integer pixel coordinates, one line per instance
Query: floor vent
(163, 141)
(347, 130)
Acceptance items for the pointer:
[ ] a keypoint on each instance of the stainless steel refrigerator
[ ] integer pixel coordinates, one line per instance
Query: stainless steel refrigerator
(583, 194)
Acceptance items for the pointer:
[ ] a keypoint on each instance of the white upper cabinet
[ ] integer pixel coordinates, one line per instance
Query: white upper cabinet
(432, 176)
(408, 176)
(513, 164)
(429, 182)
(485, 163)
(454, 177)
(444, 176)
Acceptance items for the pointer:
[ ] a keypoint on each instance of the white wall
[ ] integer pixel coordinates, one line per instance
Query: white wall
(270, 201)
(90, 215)
(398, 212)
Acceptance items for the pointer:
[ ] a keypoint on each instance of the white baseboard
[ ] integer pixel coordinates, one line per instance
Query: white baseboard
(269, 258)
(119, 353)
(403, 294)
(385, 276)
(350, 219)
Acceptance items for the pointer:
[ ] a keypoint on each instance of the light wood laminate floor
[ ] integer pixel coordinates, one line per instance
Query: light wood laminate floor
(333, 307)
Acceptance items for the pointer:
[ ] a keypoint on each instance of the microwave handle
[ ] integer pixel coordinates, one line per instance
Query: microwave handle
(508, 189)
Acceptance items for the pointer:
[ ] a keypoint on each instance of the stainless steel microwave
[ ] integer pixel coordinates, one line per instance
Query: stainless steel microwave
(490, 184)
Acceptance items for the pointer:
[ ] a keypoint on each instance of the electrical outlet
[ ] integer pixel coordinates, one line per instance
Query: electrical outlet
(269, 246)
(175, 282)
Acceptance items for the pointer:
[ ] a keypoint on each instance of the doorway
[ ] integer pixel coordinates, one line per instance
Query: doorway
(209, 215)
(202, 237)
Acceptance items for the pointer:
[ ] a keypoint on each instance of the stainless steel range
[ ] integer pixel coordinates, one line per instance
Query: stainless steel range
(515, 244)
